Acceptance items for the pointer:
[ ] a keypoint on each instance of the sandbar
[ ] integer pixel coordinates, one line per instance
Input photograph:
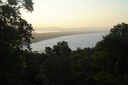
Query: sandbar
(44, 36)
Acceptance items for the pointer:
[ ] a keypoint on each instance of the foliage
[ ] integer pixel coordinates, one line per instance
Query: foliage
(105, 64)
(11, 22)
(111, 53)
(55, 69)
(12, 66)
(33, 61)
(81, 66)
(14, 32)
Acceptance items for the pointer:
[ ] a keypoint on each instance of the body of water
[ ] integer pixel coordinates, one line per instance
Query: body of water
(74, 41)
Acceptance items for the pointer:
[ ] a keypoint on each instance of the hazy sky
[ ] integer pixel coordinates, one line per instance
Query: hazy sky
(77, 13)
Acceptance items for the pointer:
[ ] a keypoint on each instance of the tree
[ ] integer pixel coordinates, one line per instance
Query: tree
(33, 61)
(55, 69)
(81, 68)
(11, 21)
(120, 29)
(112, 51)
(14, 32)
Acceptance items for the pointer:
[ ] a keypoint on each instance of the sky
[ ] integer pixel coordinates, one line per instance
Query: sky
(83, 14)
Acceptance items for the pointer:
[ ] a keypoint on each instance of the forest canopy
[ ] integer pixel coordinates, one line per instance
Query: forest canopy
(14, 31)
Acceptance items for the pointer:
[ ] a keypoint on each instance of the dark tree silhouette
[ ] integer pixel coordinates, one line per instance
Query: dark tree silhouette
(120, 29)
(55, 69)
(113, 51)
(14, 32)
(11, 23)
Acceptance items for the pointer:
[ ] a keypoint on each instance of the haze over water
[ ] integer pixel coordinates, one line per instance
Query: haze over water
(76, 15)
(74, 41)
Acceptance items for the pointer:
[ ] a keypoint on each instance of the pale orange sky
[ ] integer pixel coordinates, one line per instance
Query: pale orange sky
(103, 14)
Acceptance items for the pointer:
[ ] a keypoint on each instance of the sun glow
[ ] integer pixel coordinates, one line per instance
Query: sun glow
(77, 13)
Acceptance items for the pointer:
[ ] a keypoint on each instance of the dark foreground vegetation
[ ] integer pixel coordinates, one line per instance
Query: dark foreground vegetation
(105, 64)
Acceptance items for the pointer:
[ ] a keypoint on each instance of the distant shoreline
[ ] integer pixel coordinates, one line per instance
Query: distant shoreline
(44, 36)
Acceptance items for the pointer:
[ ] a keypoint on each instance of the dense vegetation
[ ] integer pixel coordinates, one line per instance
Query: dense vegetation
(14, 32)
(105, 64)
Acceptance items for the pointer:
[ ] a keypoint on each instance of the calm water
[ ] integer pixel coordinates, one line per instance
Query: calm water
(74, 41)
